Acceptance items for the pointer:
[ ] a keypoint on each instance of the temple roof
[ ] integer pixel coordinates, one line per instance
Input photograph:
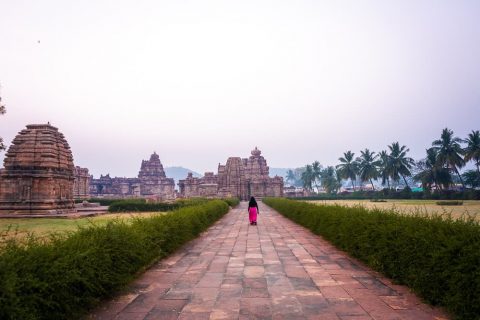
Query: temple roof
(39, 146)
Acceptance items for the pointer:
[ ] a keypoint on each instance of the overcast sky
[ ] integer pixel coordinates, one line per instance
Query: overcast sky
(199, 81)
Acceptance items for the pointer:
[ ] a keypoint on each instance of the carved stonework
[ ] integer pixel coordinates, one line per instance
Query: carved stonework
(239, 178)
(39, 173)
(81, 183)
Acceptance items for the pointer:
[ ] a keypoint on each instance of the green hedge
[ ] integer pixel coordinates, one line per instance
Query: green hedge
(232, 202)
(66, 276)
(449, 203)
(141, 205)
(438, 258)
(102, 201)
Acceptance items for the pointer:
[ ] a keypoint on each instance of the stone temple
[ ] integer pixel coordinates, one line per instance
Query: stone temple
(38, 173)
(151, 183)
(239, 178)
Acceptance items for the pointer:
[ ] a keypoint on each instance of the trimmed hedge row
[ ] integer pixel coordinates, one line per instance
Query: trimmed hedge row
(102, 201)
(141, 205)
(438, 258)
(66, 276)
(232, 202)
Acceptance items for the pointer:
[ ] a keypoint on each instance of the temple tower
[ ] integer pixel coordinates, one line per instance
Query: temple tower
(39, 173)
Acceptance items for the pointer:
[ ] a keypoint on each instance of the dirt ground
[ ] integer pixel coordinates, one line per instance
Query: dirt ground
(469, 208)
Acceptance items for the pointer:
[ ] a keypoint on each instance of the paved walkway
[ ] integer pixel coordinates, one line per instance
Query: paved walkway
(275, 270)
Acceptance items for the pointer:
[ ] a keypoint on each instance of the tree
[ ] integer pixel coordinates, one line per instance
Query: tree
(367, 166)
(398, 162)
(450, 152)
(307, 177)
(385, 168)
(316, 171)
(429, 172)
(472, 150)
(2, 111)
(291, 176)
(472, 178)
(348, 168)
(330, 180)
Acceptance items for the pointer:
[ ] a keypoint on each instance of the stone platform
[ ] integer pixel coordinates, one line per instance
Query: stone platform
(275, 270)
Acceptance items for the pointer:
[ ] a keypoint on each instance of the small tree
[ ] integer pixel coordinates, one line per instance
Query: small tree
(330, 180)
(307, 177)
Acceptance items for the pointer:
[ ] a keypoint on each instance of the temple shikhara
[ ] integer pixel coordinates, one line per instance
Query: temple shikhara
(38, 173)
(150, 183)
(239, 178)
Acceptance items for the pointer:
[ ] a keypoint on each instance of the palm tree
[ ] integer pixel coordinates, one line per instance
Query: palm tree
(472, 150)
(307, 177)
(450, 152)
(330, 180)
(385, 168)
(348, 168)
(368, 164)
(290, 177)
(316, 172)
(430, 172)
(472, 178)
(399, 163)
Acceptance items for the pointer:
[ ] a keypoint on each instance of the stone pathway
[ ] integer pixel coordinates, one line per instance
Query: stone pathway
(275, 270)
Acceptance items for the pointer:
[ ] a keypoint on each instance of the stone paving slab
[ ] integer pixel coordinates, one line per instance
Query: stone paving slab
(275, 270)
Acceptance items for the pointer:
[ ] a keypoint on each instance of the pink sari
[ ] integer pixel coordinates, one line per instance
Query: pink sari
(252, 214)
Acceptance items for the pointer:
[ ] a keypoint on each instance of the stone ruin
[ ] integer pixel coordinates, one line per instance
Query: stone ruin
(239, 178)
(38, 173)
(81, 183)
(151, 183)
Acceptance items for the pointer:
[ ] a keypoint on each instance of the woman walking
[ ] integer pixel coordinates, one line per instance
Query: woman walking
(253, 211)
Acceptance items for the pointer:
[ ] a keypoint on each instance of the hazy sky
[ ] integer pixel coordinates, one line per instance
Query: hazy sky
(199, 81)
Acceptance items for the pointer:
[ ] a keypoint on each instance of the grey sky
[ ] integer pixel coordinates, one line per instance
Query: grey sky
(198, 81)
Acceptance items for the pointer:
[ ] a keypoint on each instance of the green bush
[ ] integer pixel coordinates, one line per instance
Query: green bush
(437, 257)
(102, 201)
(140, 205)
(65, 276)
(449, 203)
(232, 202)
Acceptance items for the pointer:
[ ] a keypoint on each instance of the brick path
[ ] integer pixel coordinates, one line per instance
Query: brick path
(275, 270)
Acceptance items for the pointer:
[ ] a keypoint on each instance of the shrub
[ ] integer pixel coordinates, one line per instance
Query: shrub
(140, 205)
(102, 201)
(65, 276)
(449, 203)
(437, 257)
(232, 202)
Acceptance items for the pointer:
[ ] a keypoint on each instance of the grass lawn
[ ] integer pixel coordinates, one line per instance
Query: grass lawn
(469, 207)
(43, 226)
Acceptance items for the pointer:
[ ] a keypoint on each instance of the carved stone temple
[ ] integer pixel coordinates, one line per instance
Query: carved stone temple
(239, 178)
(38, 173)
(151, 183)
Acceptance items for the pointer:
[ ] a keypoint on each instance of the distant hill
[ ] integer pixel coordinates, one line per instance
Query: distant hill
(178, 173)
(281, 172)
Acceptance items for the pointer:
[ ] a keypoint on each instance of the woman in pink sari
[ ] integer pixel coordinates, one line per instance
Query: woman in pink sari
(253, 211)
